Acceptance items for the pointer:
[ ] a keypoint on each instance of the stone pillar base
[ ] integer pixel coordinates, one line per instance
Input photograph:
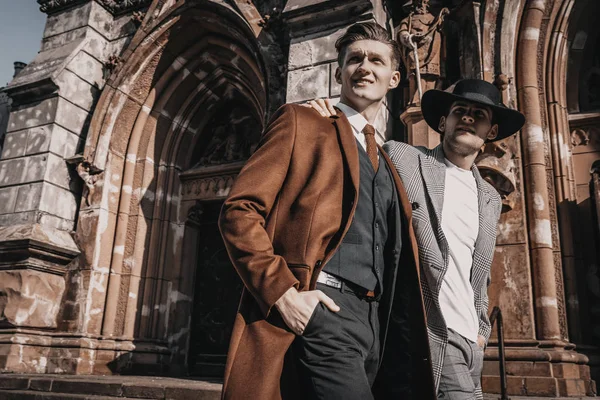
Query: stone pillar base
(549, 370)
(419, 133)
(41, 353)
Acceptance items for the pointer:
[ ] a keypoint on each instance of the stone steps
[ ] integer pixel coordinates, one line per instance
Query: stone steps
(92, 387)
(34, 395)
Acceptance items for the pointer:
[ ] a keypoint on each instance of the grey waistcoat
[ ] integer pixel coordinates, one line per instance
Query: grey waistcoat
(360, 257)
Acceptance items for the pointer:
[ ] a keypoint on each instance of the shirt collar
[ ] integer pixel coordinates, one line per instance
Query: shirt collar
(356, 120)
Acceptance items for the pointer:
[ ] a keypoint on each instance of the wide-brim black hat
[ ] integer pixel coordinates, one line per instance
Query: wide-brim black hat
(436, 104)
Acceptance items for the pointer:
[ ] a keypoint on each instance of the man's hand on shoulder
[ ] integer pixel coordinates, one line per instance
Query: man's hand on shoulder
(296, 308)
(322, 106)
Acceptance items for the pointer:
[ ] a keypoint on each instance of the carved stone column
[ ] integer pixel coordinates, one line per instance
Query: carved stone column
(538, 206)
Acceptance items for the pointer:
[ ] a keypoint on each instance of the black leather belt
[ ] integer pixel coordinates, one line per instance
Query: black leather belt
(339, 283)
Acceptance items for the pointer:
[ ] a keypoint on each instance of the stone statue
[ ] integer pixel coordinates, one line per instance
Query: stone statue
(420, 35)
(231, 140)
(225, 146)
(496, 163)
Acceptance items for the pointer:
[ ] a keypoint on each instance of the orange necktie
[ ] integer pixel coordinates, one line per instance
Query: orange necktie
(369, 132)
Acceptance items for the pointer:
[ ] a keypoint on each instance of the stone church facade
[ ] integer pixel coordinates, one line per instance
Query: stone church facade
(129, 127)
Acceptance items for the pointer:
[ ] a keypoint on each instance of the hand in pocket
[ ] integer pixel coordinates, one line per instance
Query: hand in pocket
(296, 308)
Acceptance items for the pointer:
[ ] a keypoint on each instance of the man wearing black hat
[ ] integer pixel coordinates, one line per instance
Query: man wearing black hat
(455, 213)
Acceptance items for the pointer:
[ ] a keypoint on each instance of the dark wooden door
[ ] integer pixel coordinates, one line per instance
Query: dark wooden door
(216, 298)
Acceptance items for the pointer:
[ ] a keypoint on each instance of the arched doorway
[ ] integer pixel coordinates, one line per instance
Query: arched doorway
(171, 131)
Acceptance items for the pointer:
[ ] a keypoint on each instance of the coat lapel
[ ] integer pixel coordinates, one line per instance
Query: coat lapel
(486, 220)
(433, 171)
(349, 151)
(349, 147)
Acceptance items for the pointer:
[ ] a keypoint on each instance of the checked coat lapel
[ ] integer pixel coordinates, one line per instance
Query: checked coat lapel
(433, 171)
(490, 207)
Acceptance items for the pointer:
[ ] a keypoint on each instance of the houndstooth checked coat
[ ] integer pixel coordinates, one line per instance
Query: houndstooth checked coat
(423, 173)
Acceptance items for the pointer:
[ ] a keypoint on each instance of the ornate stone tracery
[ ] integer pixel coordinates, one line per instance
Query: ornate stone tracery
(209, 183)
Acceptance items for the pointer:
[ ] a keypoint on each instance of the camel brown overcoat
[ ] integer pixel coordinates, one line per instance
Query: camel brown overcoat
(287, 212)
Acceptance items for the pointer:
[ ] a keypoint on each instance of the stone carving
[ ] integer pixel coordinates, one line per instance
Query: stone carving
(89, 176)
(50, 6)
(502, 81)
(114, 6)
(195, 214)
(113, 62)
(225, 146)
(271, 20)
(580, 137)
(122, 6)
(232, 139)
(420, 34)
(209, 188)
(138, 17)
(496, 163)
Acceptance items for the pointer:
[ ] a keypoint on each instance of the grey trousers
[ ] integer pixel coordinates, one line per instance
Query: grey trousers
(461, 373)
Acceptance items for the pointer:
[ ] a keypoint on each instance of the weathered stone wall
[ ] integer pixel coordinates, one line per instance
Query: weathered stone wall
(53, 99)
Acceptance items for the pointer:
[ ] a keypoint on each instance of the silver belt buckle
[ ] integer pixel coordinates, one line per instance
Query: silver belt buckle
(329, 280)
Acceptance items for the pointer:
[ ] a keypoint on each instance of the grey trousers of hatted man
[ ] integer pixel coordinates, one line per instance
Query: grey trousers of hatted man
(338, 354)
(461, 373)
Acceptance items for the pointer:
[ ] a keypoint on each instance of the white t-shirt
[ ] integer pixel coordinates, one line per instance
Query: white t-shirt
(460, 224)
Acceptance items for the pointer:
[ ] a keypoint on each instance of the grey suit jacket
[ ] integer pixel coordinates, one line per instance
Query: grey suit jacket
(423, 173)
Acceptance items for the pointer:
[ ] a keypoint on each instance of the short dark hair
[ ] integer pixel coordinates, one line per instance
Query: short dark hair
(367, 31)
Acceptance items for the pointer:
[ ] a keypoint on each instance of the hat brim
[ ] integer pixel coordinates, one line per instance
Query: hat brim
(436, 103)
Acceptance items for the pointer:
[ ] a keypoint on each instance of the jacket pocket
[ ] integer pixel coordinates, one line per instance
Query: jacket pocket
(302, 273)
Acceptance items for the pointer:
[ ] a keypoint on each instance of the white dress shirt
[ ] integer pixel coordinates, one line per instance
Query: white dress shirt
(358, 123)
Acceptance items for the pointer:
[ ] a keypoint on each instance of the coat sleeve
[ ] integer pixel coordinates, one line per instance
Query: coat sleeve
(243, 217)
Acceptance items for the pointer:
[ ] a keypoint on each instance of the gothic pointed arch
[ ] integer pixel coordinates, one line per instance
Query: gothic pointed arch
(181, 112)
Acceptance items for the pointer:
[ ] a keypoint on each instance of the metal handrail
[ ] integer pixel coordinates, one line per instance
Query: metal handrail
(497, 315)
